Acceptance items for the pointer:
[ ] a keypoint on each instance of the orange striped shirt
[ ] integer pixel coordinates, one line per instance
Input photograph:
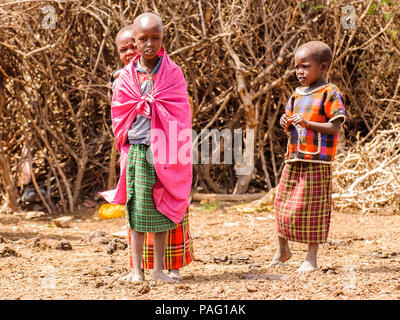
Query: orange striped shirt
(323, 104)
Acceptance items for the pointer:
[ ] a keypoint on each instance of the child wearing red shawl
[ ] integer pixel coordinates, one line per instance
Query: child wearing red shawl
(152, 126)
(179, 247)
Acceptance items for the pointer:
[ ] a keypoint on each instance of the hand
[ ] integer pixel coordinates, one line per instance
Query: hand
(298, 119)
(116, 74)
(285, 121)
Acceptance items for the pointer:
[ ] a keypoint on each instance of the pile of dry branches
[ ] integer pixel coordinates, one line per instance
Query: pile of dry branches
(367, 177)
(237, 56)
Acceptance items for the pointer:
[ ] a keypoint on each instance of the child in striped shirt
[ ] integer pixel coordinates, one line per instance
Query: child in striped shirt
(312, 119)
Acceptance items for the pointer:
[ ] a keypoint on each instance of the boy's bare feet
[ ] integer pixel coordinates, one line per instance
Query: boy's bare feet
(310, 264)
(175, 274)
(134, 278)
(281, 257)
(137, 277)
(127, 277)
(161, 276)
(282, 254)
(307, 266)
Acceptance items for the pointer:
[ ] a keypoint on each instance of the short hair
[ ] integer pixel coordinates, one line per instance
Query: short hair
(319, 51)
(149, 15)
(124, 29)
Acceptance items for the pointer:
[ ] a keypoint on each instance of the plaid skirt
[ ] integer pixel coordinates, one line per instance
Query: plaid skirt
(141, 212)
(303, 202)
(178, 251)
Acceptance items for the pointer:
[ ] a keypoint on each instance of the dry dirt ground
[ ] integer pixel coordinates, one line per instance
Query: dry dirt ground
(232, 249)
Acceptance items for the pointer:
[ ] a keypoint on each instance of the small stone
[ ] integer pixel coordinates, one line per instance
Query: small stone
(153, 283)
(144, 289)
(100, 240)
(338, 293)
(33, 214)
(329, 269)
(111, 247)
(120, 234)
(202, 259)
(8, 252)
(64, 245)
(94, 272)
(255, 266)
(63, 222)
(223, 259)
(184, 287)
(219, 289)
(93, 235)
(116, 244)
(239, 259)
(96, 234)
(121, 245)
(375, 254)
(99, 284)
(251, 288)
(37, 243)
(110, 270)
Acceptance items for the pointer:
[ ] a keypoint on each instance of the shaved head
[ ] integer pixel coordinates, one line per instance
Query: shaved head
(148, 35)
(126, 29)
(148, 20)
(318, 50)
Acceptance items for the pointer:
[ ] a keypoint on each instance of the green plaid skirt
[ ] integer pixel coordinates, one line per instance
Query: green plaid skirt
(141, 212)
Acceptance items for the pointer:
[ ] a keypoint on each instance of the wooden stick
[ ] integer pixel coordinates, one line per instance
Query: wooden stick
(227, 197)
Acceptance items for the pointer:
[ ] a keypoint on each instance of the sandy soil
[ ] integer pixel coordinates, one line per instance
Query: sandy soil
(360, 261)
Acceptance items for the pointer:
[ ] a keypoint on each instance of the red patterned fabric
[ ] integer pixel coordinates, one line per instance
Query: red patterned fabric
(323, 104)
(178, 251)
(303, 202)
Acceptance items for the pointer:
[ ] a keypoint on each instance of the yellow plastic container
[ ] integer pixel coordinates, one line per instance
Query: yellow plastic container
(108, 211)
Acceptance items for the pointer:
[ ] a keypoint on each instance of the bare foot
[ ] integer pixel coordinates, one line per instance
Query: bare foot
(137, 278)
(161, 276)
(174, 274)
(134, 278)
(127, 277)
(280, 257)
(307, 266)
